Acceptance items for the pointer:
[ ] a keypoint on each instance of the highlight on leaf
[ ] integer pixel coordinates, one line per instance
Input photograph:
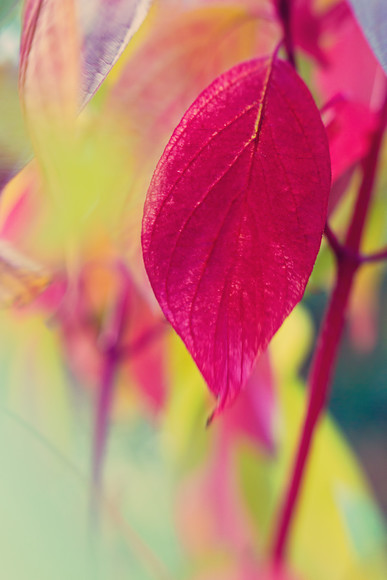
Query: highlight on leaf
(234, 217)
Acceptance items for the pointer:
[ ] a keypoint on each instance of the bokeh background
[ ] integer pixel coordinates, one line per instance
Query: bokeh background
(172, 499)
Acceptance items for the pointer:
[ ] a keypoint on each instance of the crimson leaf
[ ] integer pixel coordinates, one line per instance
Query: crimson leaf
(234, 216)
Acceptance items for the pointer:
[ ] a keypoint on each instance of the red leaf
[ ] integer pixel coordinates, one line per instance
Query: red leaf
(234, 216)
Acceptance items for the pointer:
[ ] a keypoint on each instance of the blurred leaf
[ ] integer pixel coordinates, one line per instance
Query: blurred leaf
(14, 147)
(372, 16)
(349, 128)
(21, 279)
(98, 30)
(346, 45)
(253, 414)
(182, 52)
(188, 407)
(107, 26)
(49, 71)
(6, 7)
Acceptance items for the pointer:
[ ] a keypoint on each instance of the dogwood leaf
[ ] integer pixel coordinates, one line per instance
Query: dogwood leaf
(234, 216)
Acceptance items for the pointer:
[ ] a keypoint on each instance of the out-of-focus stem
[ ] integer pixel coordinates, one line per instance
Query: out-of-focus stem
(110, 345)
(330, 335)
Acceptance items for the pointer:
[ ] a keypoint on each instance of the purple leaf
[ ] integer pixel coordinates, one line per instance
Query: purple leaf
(372, 16)
(107, 27)
(234, 217)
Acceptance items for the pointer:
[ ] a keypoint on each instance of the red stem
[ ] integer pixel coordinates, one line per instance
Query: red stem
(329, 338)
(284, 9)
(319, 381)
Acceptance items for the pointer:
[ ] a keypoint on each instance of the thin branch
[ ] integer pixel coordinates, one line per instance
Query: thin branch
(376, 257)
(335, 244)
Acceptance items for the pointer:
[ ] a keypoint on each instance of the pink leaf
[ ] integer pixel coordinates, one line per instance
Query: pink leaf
(372, 16)
(234, 216)
(346, 45)
(144, 350)
(312, 23)
(349, 128)
(209, 508)
(253, 413)
(349, 131)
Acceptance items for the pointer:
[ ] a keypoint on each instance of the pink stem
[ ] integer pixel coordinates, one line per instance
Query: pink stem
(329, 339)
